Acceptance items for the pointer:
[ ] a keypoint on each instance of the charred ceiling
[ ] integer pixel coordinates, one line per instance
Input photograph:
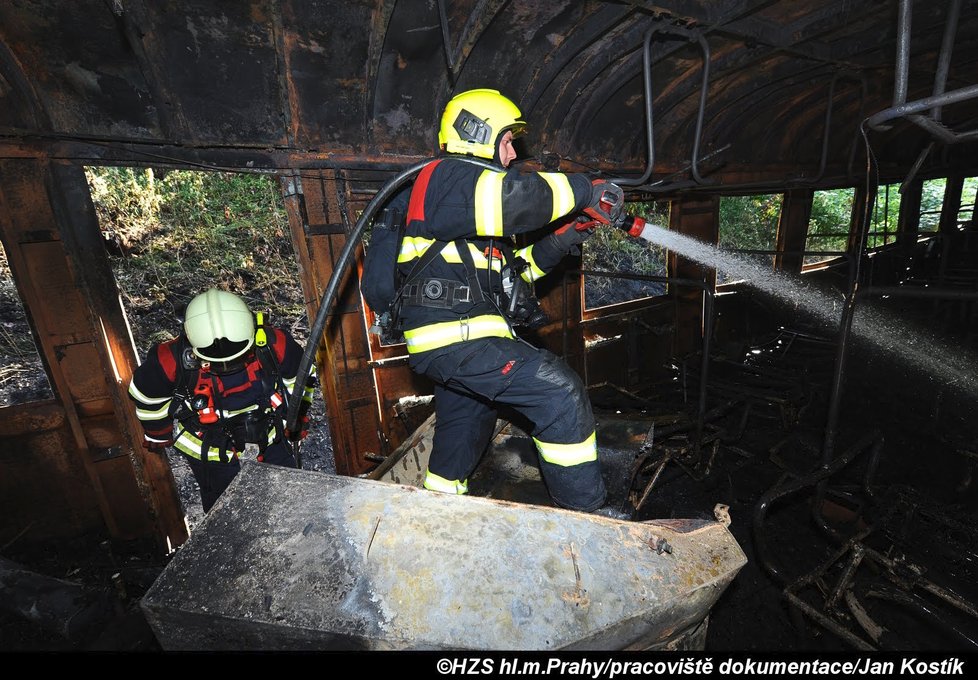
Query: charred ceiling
(777, 89)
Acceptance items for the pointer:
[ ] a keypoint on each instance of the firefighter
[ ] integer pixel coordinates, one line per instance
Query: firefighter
(226, 381)
(460, 312)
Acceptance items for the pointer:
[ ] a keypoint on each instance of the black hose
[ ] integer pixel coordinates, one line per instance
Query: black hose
(339, 269)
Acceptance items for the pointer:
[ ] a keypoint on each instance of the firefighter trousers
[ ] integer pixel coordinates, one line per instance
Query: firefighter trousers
(472, 378)
(213, 476)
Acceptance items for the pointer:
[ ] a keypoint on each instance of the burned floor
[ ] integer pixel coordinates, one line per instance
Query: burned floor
(872, 547)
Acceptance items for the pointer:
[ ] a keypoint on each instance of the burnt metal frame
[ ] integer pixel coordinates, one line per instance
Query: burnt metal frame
(901, 573)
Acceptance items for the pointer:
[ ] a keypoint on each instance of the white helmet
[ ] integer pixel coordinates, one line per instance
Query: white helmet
(219, 326)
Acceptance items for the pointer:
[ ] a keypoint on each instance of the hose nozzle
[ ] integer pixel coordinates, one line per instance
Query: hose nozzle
(632, 224)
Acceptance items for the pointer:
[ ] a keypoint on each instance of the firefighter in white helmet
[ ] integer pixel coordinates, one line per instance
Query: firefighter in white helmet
(226, 381)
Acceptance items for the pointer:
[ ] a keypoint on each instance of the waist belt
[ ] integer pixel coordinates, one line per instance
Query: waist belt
(439, 293)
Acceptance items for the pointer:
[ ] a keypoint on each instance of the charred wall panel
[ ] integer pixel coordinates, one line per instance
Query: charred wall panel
(81, 77)
(697, 218)
(326, 52)
(403, 117)
(631, 345)
(45, 494)
(215, 69)
(319, 232)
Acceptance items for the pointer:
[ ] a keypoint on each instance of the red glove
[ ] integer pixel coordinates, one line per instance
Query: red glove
(574, 232)
(607, 202)
(303, 430)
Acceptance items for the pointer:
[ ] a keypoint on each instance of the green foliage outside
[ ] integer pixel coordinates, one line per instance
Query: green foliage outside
(612, 250)
(828, 226)
(749, 223)
(177, 233)
(969, 192)
(931, 201)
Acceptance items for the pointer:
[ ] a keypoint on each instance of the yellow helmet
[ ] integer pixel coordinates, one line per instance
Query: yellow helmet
(219, 326)
(474, 121)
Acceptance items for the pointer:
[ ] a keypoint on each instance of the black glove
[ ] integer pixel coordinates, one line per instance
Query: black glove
(607, 203)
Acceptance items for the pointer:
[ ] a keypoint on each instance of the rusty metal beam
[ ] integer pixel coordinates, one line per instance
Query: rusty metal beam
(319, 232)
(112, 338)
(793, 229)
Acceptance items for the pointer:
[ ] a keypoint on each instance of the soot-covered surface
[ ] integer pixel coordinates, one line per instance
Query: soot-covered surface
(908, 496)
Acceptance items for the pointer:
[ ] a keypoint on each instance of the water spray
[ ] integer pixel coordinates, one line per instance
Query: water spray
(915, 347)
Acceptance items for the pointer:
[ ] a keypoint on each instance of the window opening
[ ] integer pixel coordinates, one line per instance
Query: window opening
(614, 251)
(22, 375)
(749, 223)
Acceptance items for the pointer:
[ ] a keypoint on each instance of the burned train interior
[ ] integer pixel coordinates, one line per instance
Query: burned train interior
(768, 376)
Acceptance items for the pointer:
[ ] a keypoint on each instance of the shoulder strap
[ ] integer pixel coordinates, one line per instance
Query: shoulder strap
(419, 192)
(472, 278)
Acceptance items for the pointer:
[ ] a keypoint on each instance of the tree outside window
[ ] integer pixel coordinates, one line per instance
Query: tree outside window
(931, 202)
(829, 224)
(749, 223)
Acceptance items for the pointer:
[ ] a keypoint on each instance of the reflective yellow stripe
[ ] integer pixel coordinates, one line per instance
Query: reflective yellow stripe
(139, 396)
(563, 195)
(161, 412)
(191, 445)
(438, 335)
(489, 203)
(237, 412)
(566, 455)
(413, 247)
(418, 245)
(307, 391)
(453, 486)
(533, 272)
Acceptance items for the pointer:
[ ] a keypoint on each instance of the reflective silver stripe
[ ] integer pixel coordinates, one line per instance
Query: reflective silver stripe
(154, 439)
(533, 272)
(566, 455)
(454, 486)
(438, 335)
(489, 203)
(563, 194)
(139, 396)
(238, 412)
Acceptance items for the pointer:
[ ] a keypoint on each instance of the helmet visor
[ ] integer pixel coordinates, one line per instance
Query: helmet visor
(222, 350)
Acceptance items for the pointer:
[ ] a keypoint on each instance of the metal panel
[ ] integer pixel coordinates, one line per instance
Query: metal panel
(69, 296)
(291, 559)
(697, 218)
(345, 375)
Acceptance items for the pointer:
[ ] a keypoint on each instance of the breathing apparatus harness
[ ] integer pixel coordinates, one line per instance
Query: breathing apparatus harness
(346, 259)
(387, 290)
(196, 400)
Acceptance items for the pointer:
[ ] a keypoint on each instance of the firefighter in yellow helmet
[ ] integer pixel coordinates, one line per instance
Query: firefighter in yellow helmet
(468, 294)
(226, 381)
